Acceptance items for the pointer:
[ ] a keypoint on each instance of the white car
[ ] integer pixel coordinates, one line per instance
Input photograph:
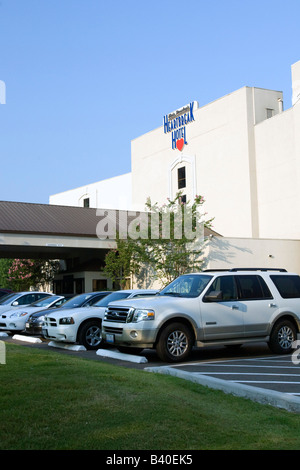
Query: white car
(83, 324)
(15, 319)
(20, 299)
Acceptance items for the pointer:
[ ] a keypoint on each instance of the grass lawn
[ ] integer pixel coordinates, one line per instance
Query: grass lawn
(50, 400)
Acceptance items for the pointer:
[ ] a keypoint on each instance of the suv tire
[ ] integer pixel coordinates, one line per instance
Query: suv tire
(90, 335)
(282, 337)
(175, 343)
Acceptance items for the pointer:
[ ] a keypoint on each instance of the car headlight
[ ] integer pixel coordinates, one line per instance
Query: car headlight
(19, 314)
(66, 321)
(142, 315)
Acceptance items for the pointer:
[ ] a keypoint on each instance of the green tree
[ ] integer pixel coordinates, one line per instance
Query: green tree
(5, 264)
(177, 246)
(123, 261)
(169, 241)
(24, 274)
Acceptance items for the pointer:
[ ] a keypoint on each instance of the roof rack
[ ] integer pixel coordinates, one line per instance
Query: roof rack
(215, 270)
(259, 269)
(282, 270)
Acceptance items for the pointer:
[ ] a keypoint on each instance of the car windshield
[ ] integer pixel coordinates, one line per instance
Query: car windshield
(77, 300)
(188, 285)
(9, 298)
(45, 301)
(110, 298)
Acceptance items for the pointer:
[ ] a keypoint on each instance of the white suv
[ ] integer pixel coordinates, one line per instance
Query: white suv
(83, 324)
(222, 307)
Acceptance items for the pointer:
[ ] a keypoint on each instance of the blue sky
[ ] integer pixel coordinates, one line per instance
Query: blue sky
(85, 77)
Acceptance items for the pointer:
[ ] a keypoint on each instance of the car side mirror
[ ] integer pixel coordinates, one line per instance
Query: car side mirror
(15, 303)
(214, 296)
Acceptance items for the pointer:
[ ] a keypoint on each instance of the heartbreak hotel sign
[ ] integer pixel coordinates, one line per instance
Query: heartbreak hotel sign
(176, 123)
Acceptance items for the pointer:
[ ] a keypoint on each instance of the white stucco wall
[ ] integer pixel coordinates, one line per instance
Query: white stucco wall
(277, 178)
(253, 253)
(112, 193)
(219, 157)
(277, 149)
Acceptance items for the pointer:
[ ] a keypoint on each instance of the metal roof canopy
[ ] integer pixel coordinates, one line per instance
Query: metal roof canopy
(30, 230)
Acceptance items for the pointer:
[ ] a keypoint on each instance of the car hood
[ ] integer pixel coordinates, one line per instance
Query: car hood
(28, 309)
(149, 302)
(68, 312)
(41, 311)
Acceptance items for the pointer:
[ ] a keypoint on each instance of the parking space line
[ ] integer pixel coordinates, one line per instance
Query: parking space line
(244, 366)
(264, 382)
(231, 361)
(248, 373)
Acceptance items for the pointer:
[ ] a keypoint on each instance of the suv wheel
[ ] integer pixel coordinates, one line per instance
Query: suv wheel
(90, 335)
(282, 337)
(175, 343)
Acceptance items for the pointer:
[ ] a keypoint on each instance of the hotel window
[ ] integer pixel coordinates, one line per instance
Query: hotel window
(99, 284)
(181, 178)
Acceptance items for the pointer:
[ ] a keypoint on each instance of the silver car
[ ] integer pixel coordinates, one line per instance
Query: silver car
(229, 307)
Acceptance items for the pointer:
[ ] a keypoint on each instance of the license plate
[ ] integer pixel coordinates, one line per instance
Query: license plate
(110, 338)
(27, 325)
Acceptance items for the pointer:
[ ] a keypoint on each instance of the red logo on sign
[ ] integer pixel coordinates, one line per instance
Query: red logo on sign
(180, 144)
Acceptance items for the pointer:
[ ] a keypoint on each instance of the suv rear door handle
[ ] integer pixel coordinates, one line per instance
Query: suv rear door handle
(272, 305)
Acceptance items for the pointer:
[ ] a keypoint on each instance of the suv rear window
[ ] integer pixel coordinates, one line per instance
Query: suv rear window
(288, 286)
(253, 287)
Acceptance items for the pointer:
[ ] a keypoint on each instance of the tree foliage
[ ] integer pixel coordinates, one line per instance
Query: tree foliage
(123, 261)
(169, 240)
(5, 264)
(23, 274)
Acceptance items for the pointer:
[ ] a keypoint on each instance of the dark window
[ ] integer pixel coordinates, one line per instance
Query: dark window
(181, 178)
(253, 287)
(30, 298)
(182, 199)
(26, 299)
(227, 285)
(86, 202)
(99, 284)
(79, 286)
(288, 286)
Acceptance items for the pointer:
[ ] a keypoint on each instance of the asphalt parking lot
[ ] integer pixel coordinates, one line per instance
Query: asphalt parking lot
(250, 371)
(276, 373)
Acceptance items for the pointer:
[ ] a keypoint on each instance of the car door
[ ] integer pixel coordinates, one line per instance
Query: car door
(222, 318)
(257, 302)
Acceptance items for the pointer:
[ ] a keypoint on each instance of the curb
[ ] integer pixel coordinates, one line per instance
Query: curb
(28, 339)
(121, 356)
(71, 347)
